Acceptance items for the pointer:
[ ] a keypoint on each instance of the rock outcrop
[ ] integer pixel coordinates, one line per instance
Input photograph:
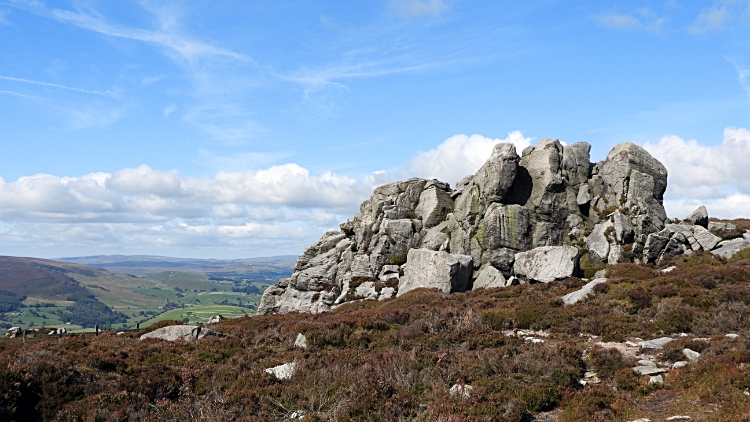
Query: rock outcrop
(181, 332)
(539, 216)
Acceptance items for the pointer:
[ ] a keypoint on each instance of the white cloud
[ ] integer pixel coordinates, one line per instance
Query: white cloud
(715, 19)
(646, 22)
(459, 156)
(143, 194)
(712, 175)
(280, 209)
(4, 18)
(418, 8)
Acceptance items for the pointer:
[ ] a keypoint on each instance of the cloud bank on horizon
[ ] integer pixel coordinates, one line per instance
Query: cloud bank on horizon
(286, 205)
(234, 129)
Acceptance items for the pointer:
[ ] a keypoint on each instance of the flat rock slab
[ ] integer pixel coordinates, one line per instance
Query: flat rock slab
(649, 370)
(728, 248)
(181, 332)
(656, 343)
(583, 293)
(546, 263)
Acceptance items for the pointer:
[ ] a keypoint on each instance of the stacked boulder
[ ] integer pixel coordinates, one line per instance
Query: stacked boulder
(527, 218)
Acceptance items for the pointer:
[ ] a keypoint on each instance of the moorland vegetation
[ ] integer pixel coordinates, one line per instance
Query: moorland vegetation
(397, 359)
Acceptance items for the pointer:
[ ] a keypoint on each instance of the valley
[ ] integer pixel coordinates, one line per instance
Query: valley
(119, 292)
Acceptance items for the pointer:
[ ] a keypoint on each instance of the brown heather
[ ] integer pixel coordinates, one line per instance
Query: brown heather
(396, 360)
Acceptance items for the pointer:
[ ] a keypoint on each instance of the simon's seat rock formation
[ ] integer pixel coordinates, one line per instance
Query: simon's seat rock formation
(544, 215)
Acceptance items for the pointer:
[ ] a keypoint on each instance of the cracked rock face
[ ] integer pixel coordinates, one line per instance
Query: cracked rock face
(528, 216)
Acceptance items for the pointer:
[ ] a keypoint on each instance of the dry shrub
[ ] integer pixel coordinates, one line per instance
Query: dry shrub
(607, 361)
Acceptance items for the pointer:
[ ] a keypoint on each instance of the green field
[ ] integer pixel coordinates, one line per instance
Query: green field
(200, 313)
(143, 300)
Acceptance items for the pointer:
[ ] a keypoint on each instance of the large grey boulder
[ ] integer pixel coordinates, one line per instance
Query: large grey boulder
(698, 217)
(598, 244)
(543, 162)
(495, 178)
(576, 165)
(435, 270)
(705, 238)
(655, 244)
(434, 205)
(507, 226)
(617, 168)
(488, 277)
(624, 232)
(728, 248)
(546, 263)
(181, 332)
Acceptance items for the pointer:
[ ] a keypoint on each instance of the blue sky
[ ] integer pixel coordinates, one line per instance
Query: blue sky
(232, 129)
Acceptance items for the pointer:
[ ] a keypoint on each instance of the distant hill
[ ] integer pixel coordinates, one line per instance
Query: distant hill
(127, 289)
(256, 269)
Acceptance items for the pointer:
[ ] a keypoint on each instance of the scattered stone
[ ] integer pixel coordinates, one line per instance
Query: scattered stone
(600, 274)
(641, 420)
(533, 340)
(284, 371)
(436, 270)
(679, 364)
(657, 343)
(656, 379)
(215, 319)
(646, 362)
(14, 332)
(181, 332)
(300, 341)
(679, 418)
(692, 355)
(547, 263)
(717, 225)
(730, 335)
(461, 391)
(649, 370)
(584, 292)
(669, 269)
(631, 344)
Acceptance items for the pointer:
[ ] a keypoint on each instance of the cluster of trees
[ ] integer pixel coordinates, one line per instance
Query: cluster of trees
(250, 289)
(87, 312)
(10, 301)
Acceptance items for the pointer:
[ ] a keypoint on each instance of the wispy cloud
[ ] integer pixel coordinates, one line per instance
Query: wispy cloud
(418, 8)
(715, 19)
(240, 161)
(643, 20)
(743, 75)
(186, 48)
(223, 122)
(85, 91)
(169, 110)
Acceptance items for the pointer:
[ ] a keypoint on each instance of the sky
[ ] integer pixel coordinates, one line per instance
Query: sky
(225, 129)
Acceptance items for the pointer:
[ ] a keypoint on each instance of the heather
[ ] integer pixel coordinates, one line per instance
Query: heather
(396, 360)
